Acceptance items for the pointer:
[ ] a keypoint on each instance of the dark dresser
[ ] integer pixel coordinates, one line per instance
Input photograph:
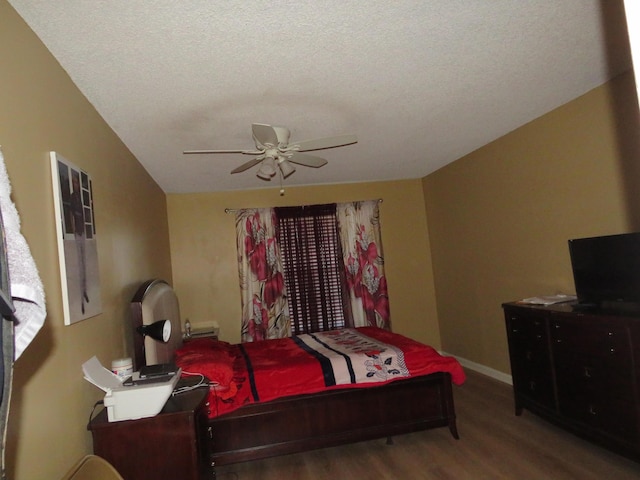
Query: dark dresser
(578, 369)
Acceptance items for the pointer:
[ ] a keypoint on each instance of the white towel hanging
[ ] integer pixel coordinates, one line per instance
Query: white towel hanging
(27, 291)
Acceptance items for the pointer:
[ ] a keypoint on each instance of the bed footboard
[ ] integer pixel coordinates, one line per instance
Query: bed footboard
(332, 418)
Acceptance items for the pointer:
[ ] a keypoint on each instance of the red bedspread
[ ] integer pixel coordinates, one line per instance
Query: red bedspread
(261, 371)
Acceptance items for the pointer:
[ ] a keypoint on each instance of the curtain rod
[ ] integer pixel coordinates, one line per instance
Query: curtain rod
(234, 210)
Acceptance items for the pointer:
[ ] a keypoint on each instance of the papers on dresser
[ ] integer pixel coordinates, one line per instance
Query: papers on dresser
(549, 299)
(102, 378)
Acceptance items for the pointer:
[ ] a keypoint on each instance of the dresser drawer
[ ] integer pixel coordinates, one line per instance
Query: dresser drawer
(592, 339)
(591, 346)
(526, 327)
(536, 386)
(580, 377)
(614, 417)
(593, 372)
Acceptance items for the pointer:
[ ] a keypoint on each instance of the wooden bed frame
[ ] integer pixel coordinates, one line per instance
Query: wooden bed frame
(305, 422)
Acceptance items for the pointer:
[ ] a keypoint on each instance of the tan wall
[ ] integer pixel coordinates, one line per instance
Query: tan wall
(41, 111)
(203, 249)
(500, 217)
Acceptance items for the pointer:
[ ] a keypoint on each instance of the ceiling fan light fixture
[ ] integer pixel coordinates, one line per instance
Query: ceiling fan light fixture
(263, 175)
(285, 167)
(267, 169)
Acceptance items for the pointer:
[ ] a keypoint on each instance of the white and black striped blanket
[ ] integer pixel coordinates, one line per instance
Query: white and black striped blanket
(350, 357)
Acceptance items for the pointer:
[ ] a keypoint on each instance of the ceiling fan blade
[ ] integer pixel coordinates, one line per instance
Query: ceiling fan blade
(307, 160)
(328, 142)
(283, 134)
(264, 134)
(247, 165)
(245, 152)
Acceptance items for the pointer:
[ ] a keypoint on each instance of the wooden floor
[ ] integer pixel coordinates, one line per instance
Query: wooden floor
(494, 444)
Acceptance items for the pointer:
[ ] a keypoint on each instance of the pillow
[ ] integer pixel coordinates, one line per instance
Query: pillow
(214, 360)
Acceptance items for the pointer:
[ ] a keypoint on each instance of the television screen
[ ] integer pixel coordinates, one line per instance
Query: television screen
(606, 270)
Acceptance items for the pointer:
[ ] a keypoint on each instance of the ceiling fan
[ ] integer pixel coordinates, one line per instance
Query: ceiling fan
(273, 150)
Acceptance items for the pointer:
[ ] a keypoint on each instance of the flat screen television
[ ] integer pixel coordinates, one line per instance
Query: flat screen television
(606, 271)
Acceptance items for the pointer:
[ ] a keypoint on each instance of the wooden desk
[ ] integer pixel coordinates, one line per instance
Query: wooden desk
(168, 445)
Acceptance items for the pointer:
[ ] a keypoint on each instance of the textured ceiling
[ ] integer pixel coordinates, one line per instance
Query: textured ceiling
(420, 82)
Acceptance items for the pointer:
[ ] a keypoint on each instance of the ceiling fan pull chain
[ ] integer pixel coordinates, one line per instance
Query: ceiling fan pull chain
(281, 187)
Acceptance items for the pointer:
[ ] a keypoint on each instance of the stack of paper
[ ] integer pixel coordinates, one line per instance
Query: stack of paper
(549, 299)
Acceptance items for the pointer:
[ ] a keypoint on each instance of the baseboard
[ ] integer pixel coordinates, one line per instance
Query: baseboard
(489, 372)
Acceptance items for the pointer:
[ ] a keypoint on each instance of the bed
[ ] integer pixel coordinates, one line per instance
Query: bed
(292, 422)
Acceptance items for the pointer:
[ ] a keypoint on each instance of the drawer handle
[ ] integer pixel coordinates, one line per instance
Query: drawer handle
(586, 372)
(592, 410)
(210, 433)
(612, 350)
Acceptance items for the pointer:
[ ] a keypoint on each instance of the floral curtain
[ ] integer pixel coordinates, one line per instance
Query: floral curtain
(264, 301)
(359, 224)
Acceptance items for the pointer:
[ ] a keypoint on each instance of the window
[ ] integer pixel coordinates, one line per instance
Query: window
(313, 267)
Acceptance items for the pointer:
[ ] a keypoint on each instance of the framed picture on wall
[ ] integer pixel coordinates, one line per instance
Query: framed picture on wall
(77, 240)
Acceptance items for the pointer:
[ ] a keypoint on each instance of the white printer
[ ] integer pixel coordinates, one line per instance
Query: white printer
(139, 398)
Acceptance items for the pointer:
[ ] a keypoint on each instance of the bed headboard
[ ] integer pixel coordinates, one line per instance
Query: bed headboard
(155, 300)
